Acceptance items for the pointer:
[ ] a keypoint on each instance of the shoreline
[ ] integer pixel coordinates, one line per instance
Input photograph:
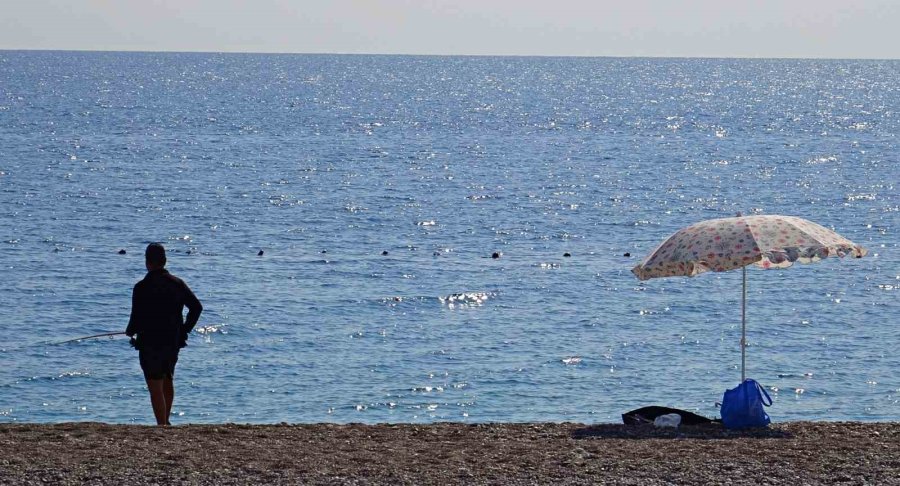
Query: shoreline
(450, 453)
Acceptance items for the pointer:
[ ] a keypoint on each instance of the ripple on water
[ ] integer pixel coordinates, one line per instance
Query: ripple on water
(466, 299)
(211, 329)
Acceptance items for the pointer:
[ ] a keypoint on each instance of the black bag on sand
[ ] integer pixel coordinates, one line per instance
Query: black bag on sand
(647, 415)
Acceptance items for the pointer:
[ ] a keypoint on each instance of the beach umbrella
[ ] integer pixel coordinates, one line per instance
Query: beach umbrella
(767, 241)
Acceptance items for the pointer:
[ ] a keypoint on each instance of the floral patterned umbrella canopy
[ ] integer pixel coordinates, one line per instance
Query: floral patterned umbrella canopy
(719, 245)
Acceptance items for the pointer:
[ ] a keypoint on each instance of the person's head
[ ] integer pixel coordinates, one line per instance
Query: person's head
(155, 256)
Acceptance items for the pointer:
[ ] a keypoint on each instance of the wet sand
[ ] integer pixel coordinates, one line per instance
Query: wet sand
(450, 453)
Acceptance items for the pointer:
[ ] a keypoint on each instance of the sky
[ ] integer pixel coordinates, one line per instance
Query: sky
(656, 28)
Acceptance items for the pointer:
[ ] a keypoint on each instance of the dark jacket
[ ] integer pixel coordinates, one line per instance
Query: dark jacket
(157, 304)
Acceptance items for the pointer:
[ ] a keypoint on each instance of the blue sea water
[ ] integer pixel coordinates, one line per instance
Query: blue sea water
(325, 162)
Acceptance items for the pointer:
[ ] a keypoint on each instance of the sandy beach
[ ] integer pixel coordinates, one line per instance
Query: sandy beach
(449, 453)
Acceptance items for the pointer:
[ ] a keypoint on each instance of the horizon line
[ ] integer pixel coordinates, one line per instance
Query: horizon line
(588, 56)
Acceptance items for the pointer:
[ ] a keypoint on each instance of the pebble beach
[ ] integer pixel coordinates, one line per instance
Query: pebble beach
(450, 453)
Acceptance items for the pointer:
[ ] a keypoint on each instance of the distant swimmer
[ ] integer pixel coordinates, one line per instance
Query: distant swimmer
(567, 254)
(495, 255)
(384, 253)
(626, 254)
(260, 253)
(156, 319)
(122, 251)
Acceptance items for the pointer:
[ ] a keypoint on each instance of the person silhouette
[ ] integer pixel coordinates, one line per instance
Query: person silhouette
(158, 301)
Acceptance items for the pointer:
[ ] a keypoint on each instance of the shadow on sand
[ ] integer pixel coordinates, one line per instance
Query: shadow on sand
(714, 431)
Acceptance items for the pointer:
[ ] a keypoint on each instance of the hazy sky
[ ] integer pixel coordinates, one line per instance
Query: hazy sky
(720, 28)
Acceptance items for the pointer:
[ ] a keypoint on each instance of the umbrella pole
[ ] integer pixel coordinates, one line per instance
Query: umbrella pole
(743, 323)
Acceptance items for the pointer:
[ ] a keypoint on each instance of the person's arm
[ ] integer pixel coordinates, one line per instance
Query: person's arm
(133, 321)
(194, 309)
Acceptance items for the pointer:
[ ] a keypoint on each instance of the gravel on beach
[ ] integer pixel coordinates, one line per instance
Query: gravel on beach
(450, 453)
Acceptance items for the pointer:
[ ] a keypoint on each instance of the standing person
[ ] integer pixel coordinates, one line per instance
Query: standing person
(156, 318)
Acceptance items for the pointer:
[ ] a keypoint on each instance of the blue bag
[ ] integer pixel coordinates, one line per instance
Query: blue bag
(742, 406)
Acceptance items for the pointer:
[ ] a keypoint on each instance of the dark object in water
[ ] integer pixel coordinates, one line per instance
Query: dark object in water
(122, 251)
(626, 254)
(495, 255)
(384, 253)
(567, 254)
(646, 415)
(260, 253)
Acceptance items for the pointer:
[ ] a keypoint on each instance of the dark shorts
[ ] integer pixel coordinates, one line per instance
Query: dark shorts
(158, 363)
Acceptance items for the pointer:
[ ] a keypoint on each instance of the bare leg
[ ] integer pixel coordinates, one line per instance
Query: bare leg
(158, 400)
(169, 391)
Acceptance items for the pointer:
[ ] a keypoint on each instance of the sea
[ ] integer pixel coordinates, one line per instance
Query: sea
(414, 239)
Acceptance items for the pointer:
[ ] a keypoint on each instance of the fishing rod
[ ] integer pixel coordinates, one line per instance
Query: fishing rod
(105, 334)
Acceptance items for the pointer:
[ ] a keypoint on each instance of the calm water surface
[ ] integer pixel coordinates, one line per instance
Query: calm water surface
(326, 162)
